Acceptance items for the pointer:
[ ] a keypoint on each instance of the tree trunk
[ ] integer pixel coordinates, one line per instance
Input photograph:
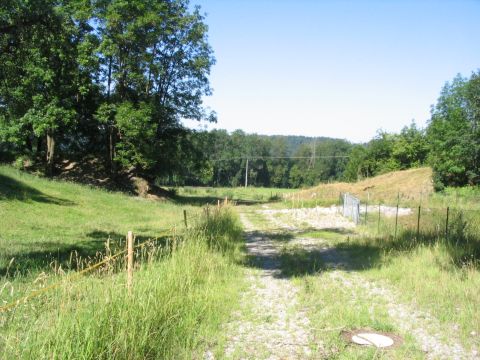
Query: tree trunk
(111, 149)
(39, 147)
(50, 152)
(28, 144)
(111, 128)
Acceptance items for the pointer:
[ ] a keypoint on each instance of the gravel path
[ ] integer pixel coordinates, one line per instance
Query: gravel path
(318, 218)
(269, 325)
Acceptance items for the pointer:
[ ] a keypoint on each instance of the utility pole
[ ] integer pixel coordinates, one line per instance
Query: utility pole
(246, 174)
(312, 157)
(314, 150)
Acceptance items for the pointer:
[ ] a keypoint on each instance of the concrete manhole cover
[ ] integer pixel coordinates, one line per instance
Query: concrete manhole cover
(372, 338)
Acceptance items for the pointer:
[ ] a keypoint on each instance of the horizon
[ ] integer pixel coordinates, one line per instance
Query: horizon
(321, 69)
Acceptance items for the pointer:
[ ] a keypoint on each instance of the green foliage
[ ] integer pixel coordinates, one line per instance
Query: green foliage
(113, 77)
(155, 56)
(388, 152)
(410, 148)
(219, 158)
(136, 131)
(454, 135)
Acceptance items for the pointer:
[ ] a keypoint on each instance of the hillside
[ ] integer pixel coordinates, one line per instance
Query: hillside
(43, 220)
(412, 184)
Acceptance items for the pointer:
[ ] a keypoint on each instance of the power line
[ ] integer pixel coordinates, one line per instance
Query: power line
(281, 157)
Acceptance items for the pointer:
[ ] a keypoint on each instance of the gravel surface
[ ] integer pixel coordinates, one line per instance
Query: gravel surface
(269, 325)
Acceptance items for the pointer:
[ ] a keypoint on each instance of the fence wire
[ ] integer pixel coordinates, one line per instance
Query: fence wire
(108, 259)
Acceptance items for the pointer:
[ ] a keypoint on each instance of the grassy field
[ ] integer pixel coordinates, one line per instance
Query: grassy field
(241, 195)
(437, 271)
(44, 221)
(185, 283)
(331, 304)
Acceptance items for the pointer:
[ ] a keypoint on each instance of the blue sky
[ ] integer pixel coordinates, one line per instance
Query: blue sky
(335, 68)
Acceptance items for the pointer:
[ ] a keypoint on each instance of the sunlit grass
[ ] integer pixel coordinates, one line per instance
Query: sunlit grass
(181, 295)
(43, 221)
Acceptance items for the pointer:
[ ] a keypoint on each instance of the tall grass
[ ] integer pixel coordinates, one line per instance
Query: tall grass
(436, 269)
(177, 303)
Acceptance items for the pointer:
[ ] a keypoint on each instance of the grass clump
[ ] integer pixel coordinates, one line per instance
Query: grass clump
(175, 309)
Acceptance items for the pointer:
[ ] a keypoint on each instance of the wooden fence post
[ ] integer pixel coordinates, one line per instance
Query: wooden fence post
(446, 223)
(129, 261)
(396, 216)
(185, 218)
(366, 212)
(379, 210)
(418, 222)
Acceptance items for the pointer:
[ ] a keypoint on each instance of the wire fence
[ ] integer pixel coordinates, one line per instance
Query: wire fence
(113, 263)
(409, 225)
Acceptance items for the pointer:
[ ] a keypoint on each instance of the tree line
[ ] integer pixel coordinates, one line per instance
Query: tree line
(113, 80)
(218, 158)
(450, 143)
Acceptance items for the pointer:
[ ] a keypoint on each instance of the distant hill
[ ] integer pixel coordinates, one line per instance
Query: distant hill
(412, 184)
(294, 142)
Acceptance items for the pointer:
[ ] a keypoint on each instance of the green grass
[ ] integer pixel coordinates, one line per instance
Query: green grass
(185, 283)
(175, 310)
(441, 276)
(241, 195)
(43, 221)
(332, 307)
(466, 198)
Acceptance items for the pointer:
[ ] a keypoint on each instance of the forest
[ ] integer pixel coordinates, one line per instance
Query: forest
(114, 80)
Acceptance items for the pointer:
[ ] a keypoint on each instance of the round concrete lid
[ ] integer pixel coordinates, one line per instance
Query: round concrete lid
(372, 339)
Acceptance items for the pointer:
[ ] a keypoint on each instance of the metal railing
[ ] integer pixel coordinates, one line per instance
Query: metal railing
(350, 207)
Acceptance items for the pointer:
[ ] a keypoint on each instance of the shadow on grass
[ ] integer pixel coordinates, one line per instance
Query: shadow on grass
(462, 247)
(212, 200)
(12, 189)
(332, 233)
(303, 259)
(46, 256)
(367, 253)
(348, 257)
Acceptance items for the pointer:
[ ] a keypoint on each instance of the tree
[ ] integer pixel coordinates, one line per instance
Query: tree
(410, 148)
(453, 133)
(44, 72)
(154, 53)
(355, 168)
